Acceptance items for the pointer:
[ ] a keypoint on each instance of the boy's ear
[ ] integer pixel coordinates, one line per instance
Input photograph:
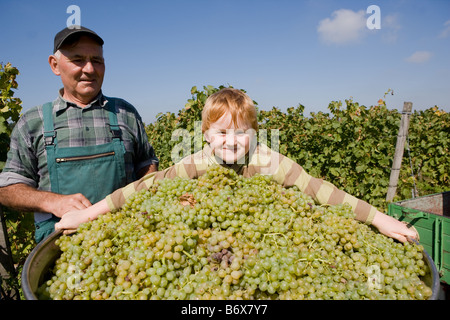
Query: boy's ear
(207, 137)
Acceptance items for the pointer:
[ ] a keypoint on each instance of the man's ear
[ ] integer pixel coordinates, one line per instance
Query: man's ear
(54, 64)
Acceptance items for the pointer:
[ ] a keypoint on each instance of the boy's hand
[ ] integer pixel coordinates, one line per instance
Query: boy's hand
(70, 221)
(393, 228)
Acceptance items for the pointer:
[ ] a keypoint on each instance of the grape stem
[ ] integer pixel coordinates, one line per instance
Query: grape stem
(186, 253)
(311, 243)
(275, 234)
(371, 246)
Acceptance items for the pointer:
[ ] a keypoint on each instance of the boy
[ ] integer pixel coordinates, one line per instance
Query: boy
(229, 125)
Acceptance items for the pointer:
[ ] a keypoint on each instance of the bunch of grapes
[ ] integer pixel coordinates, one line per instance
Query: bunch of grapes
(223, 236)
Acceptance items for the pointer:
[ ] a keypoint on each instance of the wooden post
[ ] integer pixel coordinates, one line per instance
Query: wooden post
(399, 148)
(7, 269)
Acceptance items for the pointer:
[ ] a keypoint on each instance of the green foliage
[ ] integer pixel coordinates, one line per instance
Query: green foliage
(351, 148)
(19, 225)
(354, 148)
(10, 107)
(429, 143)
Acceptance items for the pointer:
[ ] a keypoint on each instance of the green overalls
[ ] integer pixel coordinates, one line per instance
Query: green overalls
(94, 171)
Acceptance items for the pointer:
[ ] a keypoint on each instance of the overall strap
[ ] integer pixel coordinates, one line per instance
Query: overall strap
(49, 130)
(113, 124)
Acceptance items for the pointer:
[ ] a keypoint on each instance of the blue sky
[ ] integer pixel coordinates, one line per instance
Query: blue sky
(283, 52)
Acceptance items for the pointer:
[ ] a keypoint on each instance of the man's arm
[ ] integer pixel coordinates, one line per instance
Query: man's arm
(147, 169)
(25, 198)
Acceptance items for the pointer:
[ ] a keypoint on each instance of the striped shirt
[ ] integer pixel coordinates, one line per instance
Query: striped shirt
(262, 160)
(76, 127)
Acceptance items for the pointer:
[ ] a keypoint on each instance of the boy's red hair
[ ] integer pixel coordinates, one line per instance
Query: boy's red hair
(231, 100)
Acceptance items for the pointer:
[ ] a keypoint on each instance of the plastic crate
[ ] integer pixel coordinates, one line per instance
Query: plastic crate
(430, 215)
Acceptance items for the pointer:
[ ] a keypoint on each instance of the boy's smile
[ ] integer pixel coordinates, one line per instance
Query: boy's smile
(228, 141)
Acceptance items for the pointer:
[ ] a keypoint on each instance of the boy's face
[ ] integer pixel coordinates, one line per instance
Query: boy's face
(229, 142)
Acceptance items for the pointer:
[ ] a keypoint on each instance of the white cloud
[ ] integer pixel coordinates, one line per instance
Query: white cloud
(419, 57)
(345, 26)
(446, 32)
(390, 28)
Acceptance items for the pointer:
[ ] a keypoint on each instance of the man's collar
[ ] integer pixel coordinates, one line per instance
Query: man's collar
(62, 104)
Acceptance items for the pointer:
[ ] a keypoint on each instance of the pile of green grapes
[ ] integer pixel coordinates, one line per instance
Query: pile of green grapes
(223, 236)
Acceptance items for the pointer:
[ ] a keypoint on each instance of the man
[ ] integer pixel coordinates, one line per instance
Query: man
(72, 152)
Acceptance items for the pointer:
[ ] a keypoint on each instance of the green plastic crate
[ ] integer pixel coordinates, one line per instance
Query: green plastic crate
(430, 215)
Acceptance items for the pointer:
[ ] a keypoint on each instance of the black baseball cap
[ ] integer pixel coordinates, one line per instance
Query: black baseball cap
(67, 33)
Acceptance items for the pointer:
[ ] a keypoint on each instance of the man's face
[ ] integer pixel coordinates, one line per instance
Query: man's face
(228, 141)
(81, 68)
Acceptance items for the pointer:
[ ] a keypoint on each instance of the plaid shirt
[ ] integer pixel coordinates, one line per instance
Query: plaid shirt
(261, 160)
(76, 127)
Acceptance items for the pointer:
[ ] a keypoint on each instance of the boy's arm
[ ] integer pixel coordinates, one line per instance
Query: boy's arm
(71, 220)
(290, 173)
(118, 198)
(114, 201)
(189, 167)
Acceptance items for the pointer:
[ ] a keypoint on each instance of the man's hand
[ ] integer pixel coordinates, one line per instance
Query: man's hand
(25, 198)
(61, 204)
